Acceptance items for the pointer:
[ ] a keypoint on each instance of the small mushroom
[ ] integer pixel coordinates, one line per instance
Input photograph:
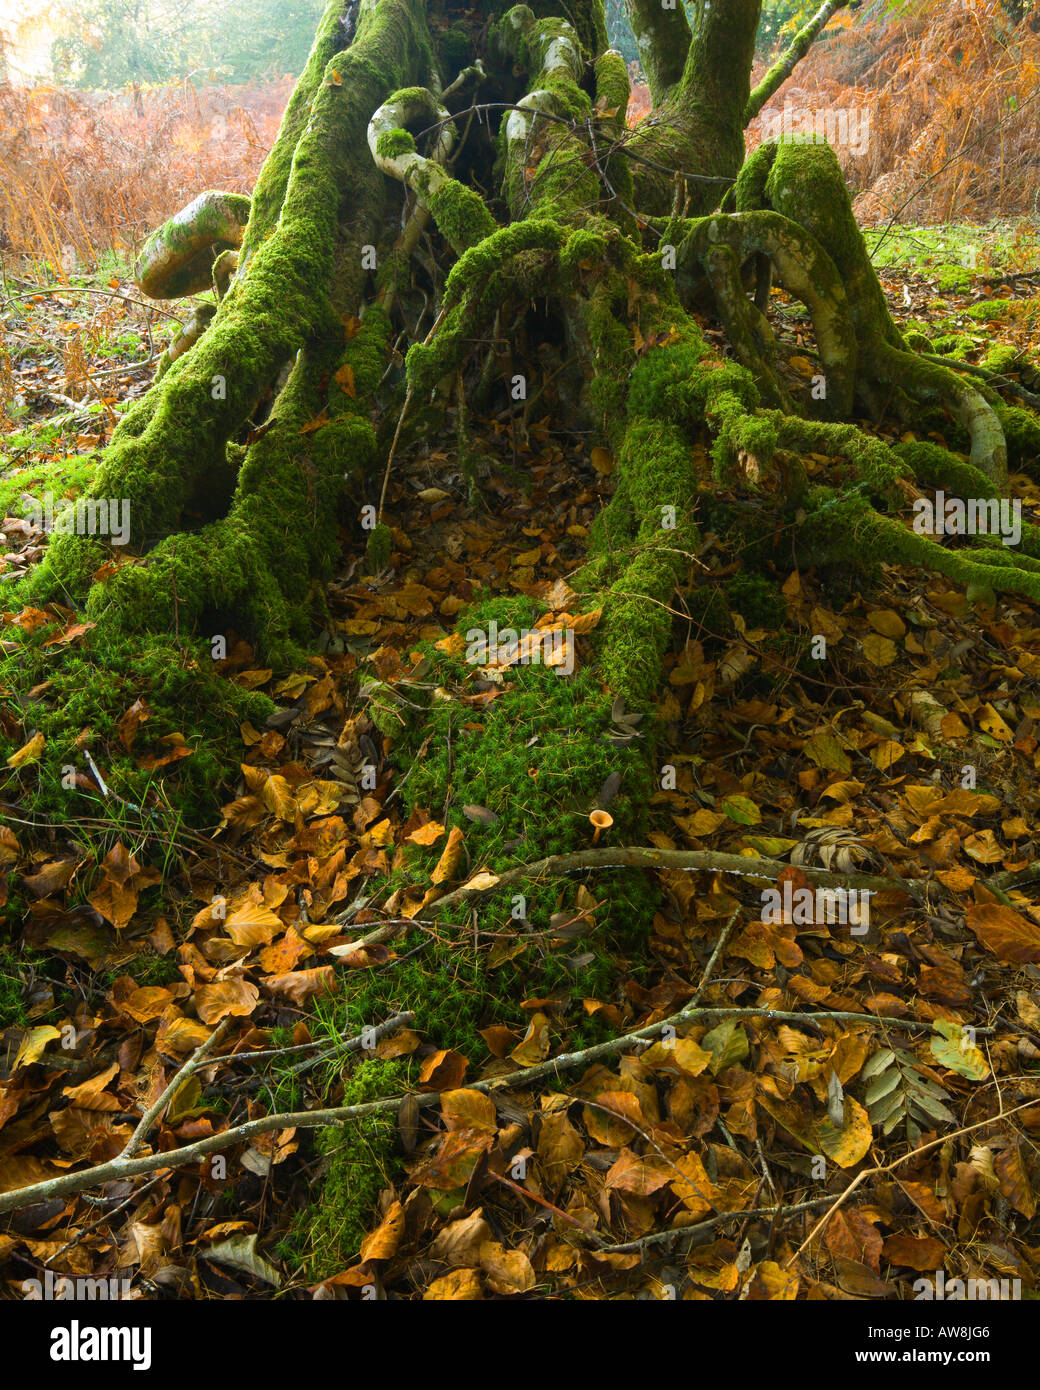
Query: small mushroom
(602, 820)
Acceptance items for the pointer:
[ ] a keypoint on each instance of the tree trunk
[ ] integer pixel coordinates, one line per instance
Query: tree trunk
(279, 406)
(275, 416)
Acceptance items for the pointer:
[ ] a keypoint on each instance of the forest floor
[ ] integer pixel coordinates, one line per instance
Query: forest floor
(666, 1172)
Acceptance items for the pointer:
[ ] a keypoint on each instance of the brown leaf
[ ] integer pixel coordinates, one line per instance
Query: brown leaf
(253, 924)
(131, 721)
(641, 1176)
(179, 1035)
(459, 1243)
(454, 1162)
(52, 878)
(534, 1046)
(771, 1281)
(383, 1243)
(236, 997)
(29, 752)
(559, 1148)
(508, 1271)
(850, 1236)
(1014, 1181)
(116, 903)
(9, 846)
(465, 1109)
(301, 985)
(916, 1252)
(1004, 932)
(427, 834)
(499, 1039)
(142, 1003)
(461, 1285)
(450, 858)
(695, 1191)
(442, 1071)
(90, 1095)
(618, 1127)
(283, 955)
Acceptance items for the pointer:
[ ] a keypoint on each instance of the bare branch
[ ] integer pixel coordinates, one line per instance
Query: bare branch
(789, 60)
(70, 1183)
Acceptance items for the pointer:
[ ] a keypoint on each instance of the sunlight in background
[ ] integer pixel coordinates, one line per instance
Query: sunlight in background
(26, 30)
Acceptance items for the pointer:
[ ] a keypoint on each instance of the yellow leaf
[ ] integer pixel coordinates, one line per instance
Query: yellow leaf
(887, 623)
(29, 753)
(461, 1285)
(481, 882)
(534, 1047)
(450, 857)
(344, 379)
(887, 754)
(585, 622)
(33, 1043)
(846, 1146)
(426, 834)
(879, 651)
(994, 725)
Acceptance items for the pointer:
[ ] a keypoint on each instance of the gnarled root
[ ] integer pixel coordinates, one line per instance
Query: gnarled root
(805, 184)
(177, 259)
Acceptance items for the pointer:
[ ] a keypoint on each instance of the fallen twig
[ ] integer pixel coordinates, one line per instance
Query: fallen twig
(676, 1233)
(122, 1167)
(887, 1168)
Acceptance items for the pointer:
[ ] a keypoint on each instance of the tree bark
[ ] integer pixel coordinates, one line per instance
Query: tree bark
(283, 398)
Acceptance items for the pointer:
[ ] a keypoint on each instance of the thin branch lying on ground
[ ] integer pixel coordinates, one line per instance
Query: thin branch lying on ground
(675, 1234)
(710, 861)
(122, 1167)
(180, 1076)
(887, 1168)
(126, 1165)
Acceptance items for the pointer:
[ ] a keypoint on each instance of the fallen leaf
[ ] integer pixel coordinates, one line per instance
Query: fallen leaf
(1004, 932)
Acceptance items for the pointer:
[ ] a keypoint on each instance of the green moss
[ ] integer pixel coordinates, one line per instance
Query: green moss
(987, 309)
(461, 215)
(379, 548)
(806, 184)
(1022, 432)
(953, 345)
(90, 689)
(67, 478)
(757, 599)
(1002, 357)
(471, 288)
(359, 1161)
(535, 758)
(849, 531)
(613, 84)
(454, 49)
(394, 143)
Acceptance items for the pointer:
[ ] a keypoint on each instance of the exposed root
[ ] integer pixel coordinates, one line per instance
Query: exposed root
(805, 183)
(177, 259)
